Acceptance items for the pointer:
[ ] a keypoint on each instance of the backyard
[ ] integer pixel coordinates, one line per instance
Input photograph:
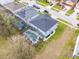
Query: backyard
(42, 45)
(54, 49)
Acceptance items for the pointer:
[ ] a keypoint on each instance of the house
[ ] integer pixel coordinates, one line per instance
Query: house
(69, 4)
(44, 25)
(11, 5)
(41, 26)
(27, 13)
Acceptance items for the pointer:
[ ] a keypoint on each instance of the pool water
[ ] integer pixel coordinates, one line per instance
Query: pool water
(33, 36)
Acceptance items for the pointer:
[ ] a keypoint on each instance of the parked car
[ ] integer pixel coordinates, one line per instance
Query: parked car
(36, 6)
(46, 11)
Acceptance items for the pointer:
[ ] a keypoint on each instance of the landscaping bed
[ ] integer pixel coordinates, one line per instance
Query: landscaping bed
(70, 12)
(42, 2)
(57, 8)
(45, 13)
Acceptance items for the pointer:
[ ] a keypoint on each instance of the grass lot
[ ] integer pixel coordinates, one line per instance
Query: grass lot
(41, 46)
(42, 2)
(69, 47)
(57, 8)
(70, 12)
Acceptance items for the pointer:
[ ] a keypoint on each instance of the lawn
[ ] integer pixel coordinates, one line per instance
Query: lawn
(42, 45)
(69, 47)
(42, 2)
(57, 8)
(70, 12)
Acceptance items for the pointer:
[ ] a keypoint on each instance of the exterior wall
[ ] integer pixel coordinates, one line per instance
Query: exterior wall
(52, 29)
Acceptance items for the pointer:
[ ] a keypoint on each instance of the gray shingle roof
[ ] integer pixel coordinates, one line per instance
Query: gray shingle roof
(27, 12)
(43, 22)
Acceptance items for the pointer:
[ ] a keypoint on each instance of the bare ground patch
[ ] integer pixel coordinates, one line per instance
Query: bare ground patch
(54, 49)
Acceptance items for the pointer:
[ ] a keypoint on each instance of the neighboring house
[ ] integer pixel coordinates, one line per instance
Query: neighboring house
(6, 1)
(76, 49)
(69, 4)
(11, 5)
(55, 1)
(27, 13)
(77, 7)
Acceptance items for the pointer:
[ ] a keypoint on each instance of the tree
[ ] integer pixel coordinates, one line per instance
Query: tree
(6, 28)
(20, 48)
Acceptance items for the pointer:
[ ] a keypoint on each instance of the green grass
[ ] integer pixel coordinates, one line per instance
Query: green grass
(57, 8)
(42, 45)
(42, 12)
(70, 12)
(69, 47)
(77, 57)
(45, 13)
(42, 3)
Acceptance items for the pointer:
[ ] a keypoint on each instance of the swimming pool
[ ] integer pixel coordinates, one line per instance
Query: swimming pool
(32, 36)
